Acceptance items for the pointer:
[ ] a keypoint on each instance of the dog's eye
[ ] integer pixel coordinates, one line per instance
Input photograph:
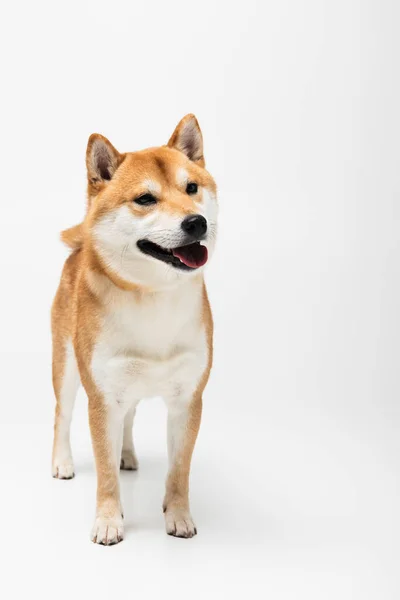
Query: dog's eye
(191, 188)
(145, 200)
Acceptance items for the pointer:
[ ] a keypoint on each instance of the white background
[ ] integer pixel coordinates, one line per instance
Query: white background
(295, 480)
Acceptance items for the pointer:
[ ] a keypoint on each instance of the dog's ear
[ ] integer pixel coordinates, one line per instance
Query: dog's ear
(187, 138)
(102, 160)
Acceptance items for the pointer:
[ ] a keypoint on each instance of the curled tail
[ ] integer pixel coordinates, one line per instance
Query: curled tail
(73, 237)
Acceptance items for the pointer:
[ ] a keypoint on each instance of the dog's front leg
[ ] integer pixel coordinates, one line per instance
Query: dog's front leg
(184, 417)
(106, 426)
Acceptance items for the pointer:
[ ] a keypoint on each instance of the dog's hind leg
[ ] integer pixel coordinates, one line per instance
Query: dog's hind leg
(129, 462)
(65, 382)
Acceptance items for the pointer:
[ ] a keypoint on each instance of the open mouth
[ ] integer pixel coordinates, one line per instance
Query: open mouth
(188, 257)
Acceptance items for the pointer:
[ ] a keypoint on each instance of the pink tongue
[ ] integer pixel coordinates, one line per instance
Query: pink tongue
(193, 256)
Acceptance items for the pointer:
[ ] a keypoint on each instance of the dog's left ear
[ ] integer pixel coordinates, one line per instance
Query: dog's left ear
(187, 138)
(102, 160)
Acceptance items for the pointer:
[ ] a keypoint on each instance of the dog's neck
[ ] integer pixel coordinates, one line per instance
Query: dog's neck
(104, 278)
(107, 285)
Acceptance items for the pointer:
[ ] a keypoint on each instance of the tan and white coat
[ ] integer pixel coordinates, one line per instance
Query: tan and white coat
(128, 326)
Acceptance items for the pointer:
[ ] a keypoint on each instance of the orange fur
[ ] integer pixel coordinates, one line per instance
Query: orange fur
(73, 237)
(89, 287)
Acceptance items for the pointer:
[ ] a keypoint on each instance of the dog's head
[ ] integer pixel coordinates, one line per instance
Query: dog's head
(152, 216)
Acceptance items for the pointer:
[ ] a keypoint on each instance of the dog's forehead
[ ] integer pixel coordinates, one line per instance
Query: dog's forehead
(162, 168)
(160, 165)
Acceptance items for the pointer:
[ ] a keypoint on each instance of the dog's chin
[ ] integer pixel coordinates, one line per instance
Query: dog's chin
(186, 258)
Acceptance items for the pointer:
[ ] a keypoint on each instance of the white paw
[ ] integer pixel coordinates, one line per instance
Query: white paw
(129, 462)
(107, 531)
(63, 470)
(179, 523)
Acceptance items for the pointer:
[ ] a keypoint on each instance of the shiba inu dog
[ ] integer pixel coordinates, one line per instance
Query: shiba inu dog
(131, 317)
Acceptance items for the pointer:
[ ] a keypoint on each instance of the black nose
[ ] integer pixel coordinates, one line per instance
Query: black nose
(195, 226)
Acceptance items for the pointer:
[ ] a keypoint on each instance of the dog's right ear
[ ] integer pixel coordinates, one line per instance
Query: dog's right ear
(102, 160)
(187, 138)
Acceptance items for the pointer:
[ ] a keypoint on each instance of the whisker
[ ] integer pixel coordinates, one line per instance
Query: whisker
(123, 253)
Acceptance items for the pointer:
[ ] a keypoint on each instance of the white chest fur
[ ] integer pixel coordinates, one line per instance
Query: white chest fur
(151, 346)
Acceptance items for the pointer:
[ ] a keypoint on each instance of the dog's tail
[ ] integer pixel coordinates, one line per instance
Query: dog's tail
(73, 237)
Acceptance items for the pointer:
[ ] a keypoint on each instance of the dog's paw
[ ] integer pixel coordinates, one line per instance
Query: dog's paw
(63, 470)
(179, 523)
(107, 531)
(129, 462)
